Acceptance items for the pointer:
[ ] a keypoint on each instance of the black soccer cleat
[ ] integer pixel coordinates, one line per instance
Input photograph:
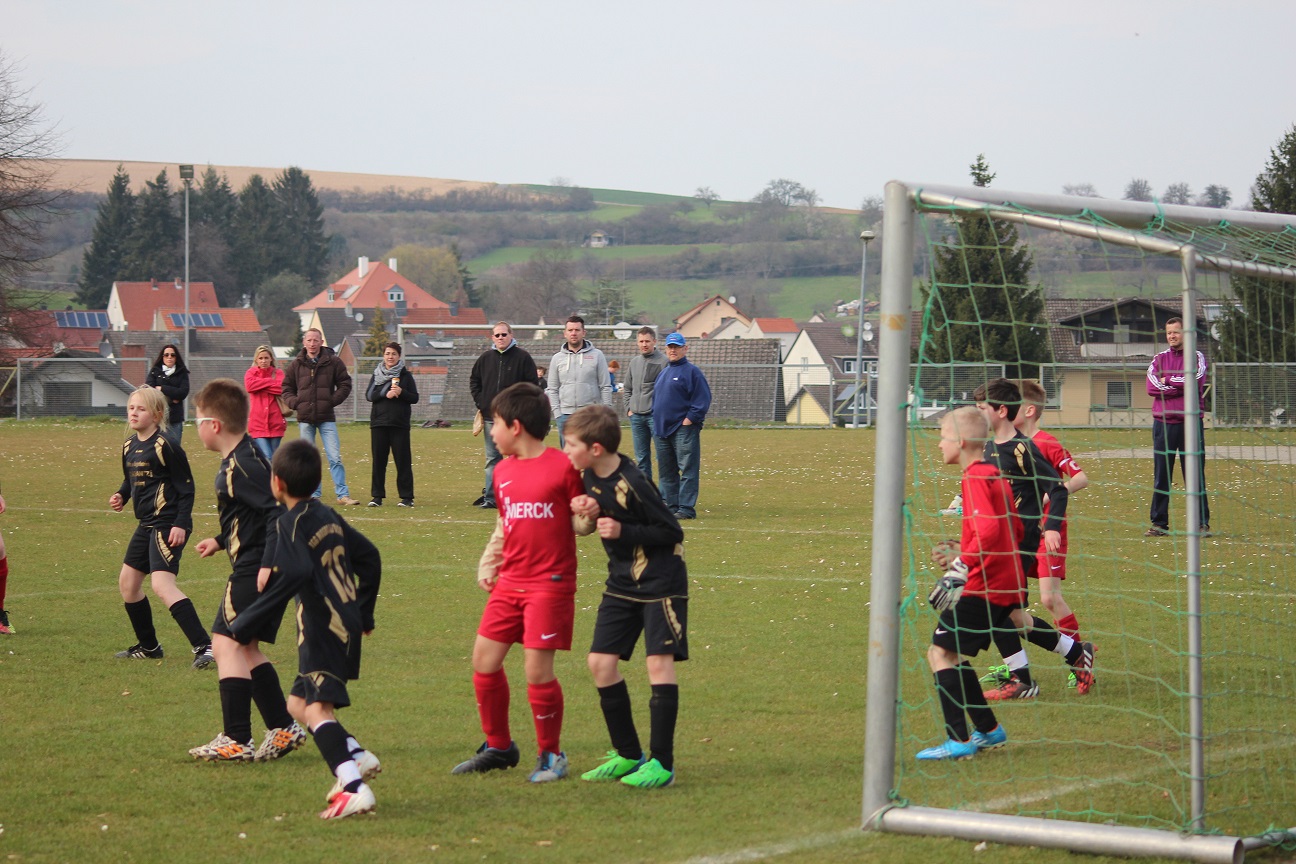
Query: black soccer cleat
(489, 759)
(139, 652)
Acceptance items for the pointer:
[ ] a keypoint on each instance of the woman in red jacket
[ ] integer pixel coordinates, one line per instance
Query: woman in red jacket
(264, 383)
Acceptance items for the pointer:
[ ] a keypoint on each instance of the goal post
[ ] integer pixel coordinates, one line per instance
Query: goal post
(1174, 700)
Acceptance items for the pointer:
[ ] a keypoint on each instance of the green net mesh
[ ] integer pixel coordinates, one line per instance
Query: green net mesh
(1084, 314)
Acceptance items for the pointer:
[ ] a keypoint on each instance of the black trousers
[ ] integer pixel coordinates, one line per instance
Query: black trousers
(396, 441)
(1167, 443)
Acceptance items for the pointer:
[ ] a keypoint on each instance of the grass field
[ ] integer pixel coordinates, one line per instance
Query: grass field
(770, 740)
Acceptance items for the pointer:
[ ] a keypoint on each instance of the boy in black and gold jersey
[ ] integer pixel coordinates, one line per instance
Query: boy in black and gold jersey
(157, 478)
(248, 513)
(647, 593)
(1034, 482)
(334, 572)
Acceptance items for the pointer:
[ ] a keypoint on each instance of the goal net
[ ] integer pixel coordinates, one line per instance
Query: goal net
(1186, 744)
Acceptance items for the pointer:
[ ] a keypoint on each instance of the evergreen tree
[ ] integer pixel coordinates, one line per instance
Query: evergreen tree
(303, 247)
(378, 335)
(467, 281)
(256, 237)
(155, 247)
(214, 203)
(102, 263)
(981, 303)
(1261, 328)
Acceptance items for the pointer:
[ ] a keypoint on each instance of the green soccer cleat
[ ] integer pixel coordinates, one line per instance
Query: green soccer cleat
(1071, 680)
(616, 767)
(997, 675)
(651, 775)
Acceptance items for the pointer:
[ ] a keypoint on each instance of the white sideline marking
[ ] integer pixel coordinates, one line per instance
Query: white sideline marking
(774, 850)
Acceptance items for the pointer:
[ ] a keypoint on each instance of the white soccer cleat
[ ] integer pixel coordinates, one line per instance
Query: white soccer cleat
(281, 742)
(347, 804)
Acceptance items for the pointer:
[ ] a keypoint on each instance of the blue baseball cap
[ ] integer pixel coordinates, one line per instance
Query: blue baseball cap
(675, 339)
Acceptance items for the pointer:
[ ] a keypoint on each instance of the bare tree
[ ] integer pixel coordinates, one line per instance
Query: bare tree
(1138, 190)
(1083, 190)
(706, 195)
(27, 202)
(1178, 193)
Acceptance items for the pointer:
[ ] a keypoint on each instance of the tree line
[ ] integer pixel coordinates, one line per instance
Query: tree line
(237, 241)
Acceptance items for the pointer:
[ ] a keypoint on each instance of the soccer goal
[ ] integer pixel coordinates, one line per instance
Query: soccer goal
(1185, 746)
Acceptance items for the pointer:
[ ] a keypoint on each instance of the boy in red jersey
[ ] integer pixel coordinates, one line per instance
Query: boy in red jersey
(529, 568)
(977, 594)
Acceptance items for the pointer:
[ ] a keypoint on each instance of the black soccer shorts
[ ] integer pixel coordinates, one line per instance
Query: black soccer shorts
(663, 623)
(148, 551)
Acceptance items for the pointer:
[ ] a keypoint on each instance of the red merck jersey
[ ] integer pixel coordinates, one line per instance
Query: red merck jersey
(534, 498)
(1059, 457)
(992, 536)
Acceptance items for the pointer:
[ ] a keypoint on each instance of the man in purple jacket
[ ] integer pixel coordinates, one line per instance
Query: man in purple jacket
(1166, 378)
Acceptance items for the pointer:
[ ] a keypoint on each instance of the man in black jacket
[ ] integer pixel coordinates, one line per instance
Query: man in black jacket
(503, 365)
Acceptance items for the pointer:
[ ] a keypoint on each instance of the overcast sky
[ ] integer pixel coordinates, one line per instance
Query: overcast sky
(667, 96)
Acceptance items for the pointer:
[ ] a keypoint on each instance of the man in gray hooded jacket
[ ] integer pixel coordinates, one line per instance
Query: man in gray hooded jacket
(578, 375)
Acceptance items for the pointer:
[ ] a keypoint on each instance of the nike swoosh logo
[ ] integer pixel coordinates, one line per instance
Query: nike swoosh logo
(940, 631)
(546, 716)
(548, 635)
(1055, 566)
(505, 483)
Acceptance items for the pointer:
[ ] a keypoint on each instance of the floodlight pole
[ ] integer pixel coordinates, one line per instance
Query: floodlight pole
(186, 174)
(865, 237)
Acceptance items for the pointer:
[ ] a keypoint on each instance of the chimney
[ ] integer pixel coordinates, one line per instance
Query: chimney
(454, 309)
(391, 262)
(363, 267)
(350, 313)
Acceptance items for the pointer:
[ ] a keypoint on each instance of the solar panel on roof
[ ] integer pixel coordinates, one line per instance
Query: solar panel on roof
(198, 319)
(81, 319)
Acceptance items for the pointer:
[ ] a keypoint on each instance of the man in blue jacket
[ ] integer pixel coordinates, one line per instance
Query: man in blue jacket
(681, 398)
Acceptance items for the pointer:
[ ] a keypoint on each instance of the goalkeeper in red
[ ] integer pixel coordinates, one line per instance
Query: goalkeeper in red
(977, 594)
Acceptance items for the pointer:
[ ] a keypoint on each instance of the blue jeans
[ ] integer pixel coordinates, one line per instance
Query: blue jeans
(679, 463)
(332, 451)
(493, 456)
(267, 446)
(642, 433)
(561, 420)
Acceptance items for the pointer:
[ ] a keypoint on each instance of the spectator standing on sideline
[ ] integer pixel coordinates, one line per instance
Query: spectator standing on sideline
(315, 383)
(613, 368)
(578, 375)
(170, 375)
(1167, 377)
(264, 384)
(501, 366)
(393, 394)
(639, 383)
(681, 399)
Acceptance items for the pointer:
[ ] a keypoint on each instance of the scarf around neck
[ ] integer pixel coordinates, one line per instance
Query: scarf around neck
(382, 374)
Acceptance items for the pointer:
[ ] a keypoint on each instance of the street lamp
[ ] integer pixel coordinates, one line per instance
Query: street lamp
(865, 237)
(186, 174)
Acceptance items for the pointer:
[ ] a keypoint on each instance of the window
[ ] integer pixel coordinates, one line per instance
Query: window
(1119, 394)
(395, 295)
(848, 366)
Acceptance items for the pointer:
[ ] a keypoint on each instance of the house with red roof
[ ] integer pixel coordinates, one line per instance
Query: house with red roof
(134, 305)
(371, 285)
(228, 319)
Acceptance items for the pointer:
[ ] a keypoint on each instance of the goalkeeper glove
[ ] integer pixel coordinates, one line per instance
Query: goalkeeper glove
(949, 588)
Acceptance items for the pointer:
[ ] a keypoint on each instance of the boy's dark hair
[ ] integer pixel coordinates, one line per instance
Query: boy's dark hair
(297, 464)
(525, 402)
(999, 392)
(227, 401)
(1032, 393)
(395, 345)
(595, 424)
(647, 331)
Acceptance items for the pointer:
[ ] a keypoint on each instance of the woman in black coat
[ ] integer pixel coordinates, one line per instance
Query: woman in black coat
(392, 393)
(170, 375)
